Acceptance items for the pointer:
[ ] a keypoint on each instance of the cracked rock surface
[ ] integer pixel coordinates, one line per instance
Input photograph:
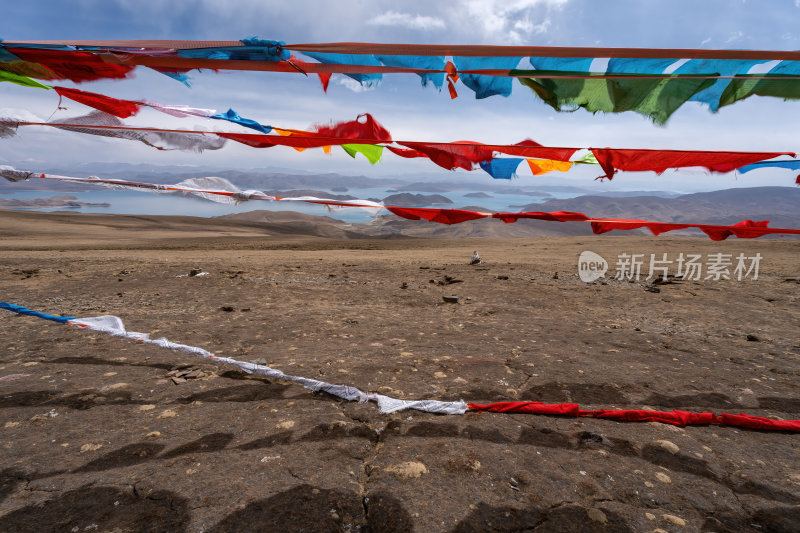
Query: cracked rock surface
(96, 435)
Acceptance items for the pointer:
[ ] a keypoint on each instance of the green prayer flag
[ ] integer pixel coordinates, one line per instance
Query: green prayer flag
(21, 80)
(588, 159)
(656, 97)
(745, 87)
(371, 152)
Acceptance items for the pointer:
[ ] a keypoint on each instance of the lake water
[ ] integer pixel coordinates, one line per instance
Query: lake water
(145, 203)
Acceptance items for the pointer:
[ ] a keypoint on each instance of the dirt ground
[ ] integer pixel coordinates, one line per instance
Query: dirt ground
(105, 434)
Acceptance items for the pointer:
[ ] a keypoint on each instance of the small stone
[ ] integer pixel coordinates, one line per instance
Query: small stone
(439, 375)
(450, 299)
(286, 424)
(178, 381)
(795, 478)
(13, 377)
(11, 424)
(406, 354)
(168, 414)
(663, 478)
(674, 519)
(148, 407)
(650, 516)
(90, 447)
(596, 515)
(109, 374)
(752, 338)
(194, 374)
(648, 484)
(227, 308)
(671, 447)
(407, 470)
(116, 386)
(30, 363)
(153, 435)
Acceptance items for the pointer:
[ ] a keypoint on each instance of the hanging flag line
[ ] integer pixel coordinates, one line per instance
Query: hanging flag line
(636, 79)
(113, 325)
(427, 49)
(365, 135)
(223, 191)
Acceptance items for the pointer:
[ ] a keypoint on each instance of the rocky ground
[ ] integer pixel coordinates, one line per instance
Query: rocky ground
(105, 434)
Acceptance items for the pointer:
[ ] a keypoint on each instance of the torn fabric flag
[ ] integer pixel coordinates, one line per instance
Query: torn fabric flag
(113, 106)
(483, 85)
(233, 116)
(501, 169)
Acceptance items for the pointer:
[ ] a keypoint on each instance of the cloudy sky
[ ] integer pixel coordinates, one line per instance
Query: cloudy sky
(408, 110)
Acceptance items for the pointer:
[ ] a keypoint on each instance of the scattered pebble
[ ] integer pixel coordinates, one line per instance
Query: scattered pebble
(286, 424)
(650, 516)
(670, 446)
(13, 377)
(153, 435)
(148, 407)
(439, 375)
(11, 424)
(30, 363)
(90, 447)
(663, 478)
(407, 470)
(109, 374)
(596, 515)
(168, 414)
(674, 519)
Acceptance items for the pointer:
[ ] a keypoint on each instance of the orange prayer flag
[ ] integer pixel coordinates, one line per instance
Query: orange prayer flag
(543, 166)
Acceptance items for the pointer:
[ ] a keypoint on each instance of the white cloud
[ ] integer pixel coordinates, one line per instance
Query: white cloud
(510, 22)
(735, 36)
(414, 22)
(708, 39)
(352, 84)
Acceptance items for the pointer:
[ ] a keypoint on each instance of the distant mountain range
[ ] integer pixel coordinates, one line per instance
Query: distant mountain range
(779, 205)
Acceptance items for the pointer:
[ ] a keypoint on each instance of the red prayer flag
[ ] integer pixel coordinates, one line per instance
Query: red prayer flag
(72, 65)
(113, 106)
(658, 161)
(443, 216)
